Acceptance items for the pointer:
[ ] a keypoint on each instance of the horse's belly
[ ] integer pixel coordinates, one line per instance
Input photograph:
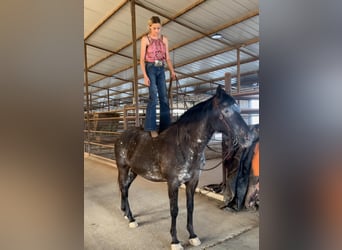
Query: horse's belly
(151, 173)
(154, 178)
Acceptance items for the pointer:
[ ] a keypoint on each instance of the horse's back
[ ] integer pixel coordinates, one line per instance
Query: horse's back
(136, 149)
(127, 142)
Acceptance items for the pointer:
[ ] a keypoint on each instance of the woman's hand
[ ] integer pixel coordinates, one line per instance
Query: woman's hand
(173, 75)
(146, 81)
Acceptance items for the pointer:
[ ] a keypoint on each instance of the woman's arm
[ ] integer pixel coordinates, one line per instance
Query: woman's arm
(142, 60)
(168, 59)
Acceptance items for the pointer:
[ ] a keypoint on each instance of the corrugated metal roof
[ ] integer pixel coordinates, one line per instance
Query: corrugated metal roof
(200, 61)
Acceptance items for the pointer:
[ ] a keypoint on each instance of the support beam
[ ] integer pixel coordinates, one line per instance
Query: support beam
(227, 49)
(247, 16)
(135, 64)
(227, 82)
(112, 13)
(87, 94)
(238, 69)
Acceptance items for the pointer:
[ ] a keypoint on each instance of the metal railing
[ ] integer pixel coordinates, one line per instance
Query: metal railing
(102, 128)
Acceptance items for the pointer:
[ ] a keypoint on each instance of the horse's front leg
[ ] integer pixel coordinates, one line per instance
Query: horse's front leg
(173, 197)
(190, 191)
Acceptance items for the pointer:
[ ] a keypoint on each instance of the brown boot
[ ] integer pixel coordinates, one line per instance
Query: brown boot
(154, 134)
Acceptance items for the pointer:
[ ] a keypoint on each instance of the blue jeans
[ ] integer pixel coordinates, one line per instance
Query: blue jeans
(157, 89)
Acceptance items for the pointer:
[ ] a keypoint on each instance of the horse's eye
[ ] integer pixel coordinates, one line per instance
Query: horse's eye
(236, 108)
(225, 110)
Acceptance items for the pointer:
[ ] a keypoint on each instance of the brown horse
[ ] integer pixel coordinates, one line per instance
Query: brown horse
(177, 154)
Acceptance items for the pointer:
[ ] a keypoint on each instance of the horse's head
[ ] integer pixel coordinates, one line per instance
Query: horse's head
(229, 120)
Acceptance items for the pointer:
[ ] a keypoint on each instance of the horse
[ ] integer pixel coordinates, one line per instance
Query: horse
(176, 156)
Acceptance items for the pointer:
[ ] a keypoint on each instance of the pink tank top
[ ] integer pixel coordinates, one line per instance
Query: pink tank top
(155, 50)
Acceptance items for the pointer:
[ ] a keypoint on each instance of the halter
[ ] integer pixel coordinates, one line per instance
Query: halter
(235, 141)
(221, 117)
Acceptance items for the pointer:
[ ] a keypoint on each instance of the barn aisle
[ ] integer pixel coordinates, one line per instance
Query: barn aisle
(105, 227)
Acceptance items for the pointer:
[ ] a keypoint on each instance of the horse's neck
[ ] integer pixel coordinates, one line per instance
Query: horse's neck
(203, 140)
(198, 137)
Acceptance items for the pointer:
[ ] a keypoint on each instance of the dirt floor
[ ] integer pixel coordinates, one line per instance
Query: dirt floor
(106, 228)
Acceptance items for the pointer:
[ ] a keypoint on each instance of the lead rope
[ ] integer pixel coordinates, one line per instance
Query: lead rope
(170, 93)
(235, 143)
(227, 156)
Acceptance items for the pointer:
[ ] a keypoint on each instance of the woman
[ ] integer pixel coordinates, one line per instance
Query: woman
(154, 53)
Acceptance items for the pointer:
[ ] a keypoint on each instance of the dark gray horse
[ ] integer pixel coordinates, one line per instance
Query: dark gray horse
(239, 184)
(177, 154)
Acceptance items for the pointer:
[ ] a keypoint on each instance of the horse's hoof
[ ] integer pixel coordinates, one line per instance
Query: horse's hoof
(177, 246)
(133, 224)
(195, 241)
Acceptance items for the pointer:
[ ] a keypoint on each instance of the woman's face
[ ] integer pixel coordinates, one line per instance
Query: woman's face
(155, 29)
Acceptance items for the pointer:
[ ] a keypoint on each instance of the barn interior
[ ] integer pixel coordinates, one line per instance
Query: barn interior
(211, 43)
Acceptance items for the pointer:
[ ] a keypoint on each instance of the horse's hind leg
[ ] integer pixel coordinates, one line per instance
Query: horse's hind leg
(190, 191)
(125, 178)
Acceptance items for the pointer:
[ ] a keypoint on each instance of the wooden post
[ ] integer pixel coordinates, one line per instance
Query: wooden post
(87, 95)
(125, 117)
(225, 139)
(238, 69)
(135, 64)
(228, 83)
(108, 100)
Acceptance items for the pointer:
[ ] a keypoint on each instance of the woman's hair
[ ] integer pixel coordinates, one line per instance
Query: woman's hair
(153, 19)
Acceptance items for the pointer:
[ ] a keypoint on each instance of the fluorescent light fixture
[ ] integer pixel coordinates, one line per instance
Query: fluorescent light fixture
(216, 36)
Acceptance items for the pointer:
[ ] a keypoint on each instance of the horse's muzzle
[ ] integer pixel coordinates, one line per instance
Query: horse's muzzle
(248, 139)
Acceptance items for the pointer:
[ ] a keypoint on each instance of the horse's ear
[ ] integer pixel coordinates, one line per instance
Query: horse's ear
(219, 90)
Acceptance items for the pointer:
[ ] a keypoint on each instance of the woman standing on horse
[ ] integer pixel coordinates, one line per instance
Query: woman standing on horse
(154, 54)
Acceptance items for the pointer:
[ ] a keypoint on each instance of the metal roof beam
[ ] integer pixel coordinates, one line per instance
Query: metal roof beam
(203, 72)
(112, 13)
(250, 14)
(249, 42)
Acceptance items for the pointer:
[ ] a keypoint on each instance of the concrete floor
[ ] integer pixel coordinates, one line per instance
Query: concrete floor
(106, 228)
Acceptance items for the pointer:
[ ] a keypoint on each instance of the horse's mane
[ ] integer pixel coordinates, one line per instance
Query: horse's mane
(195, 113)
